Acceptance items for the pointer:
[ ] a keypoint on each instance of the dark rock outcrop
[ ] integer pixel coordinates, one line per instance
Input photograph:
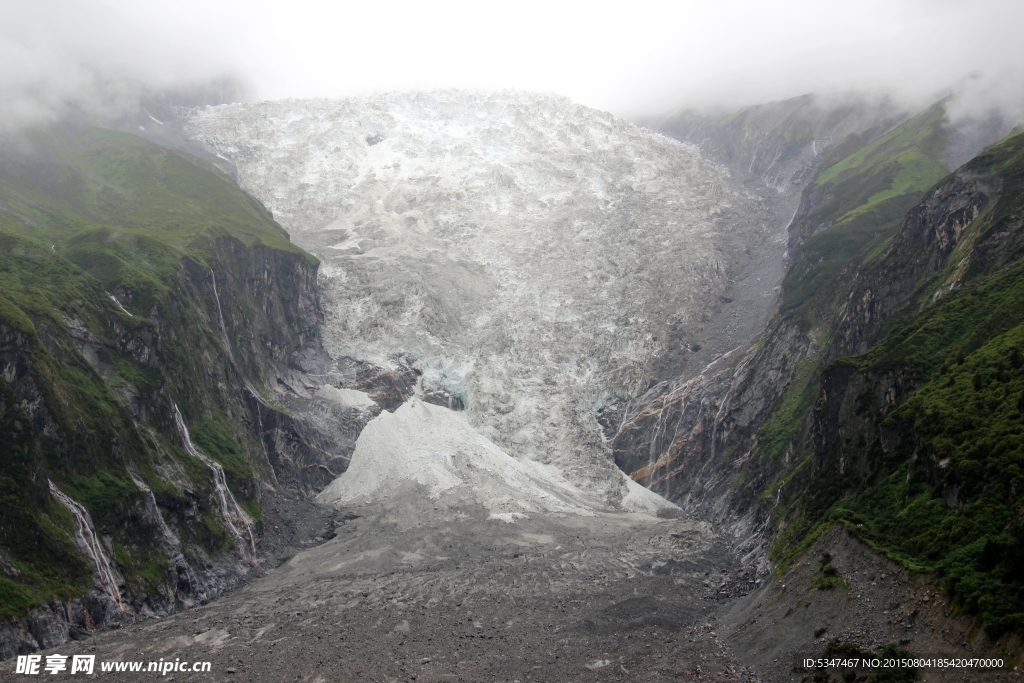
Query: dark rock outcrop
(744, 440)
(163, 378)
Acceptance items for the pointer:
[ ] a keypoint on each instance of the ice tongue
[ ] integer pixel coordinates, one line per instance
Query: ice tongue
(438, 452)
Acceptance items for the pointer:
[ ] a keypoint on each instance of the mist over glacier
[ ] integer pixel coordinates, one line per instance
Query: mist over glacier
(532, 256)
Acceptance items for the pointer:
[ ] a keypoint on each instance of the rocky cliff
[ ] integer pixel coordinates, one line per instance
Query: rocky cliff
(731, 443)
(914, 441)
(162, 370)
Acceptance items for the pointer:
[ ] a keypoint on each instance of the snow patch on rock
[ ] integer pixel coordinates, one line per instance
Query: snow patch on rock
(346, 398)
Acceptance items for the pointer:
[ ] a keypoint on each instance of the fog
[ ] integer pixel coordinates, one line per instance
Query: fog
(632, 58)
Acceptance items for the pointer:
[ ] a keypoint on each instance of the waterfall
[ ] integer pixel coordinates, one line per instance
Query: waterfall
(220, 316)
(114, 299)
(656, 433)
(230, 510)
(259, 420)
(89, 543)
(172, 545)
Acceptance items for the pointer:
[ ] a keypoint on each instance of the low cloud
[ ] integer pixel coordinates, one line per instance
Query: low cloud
(97, 58)
(642, 58)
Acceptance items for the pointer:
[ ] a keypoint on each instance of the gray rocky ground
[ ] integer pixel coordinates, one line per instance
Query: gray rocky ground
(437, 556)
(400, 595)
(877, 602)
(453, 595)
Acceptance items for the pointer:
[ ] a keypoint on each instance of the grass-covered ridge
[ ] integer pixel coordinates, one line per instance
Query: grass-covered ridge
(937, 481)
(89, 383)
(97, 185)
(862, 197)
(850, 214)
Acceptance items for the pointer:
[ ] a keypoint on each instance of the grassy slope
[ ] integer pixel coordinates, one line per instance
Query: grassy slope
(864, 191)
(86, 213)
(946, 494)
(865, 195)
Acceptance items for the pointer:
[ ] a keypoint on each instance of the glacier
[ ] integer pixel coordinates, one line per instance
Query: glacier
(535, 258)
(437, 451)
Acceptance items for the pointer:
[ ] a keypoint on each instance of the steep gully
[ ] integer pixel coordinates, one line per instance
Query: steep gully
(418, 597)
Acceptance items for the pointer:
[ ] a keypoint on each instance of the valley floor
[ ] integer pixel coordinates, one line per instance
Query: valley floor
(458, 597)
(419, 589)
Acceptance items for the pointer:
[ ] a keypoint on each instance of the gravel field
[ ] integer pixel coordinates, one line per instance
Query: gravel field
(401, 595)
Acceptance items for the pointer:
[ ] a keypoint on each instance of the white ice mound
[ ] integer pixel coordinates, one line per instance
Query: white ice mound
(640, 499)
(346, 398)
(438, 449)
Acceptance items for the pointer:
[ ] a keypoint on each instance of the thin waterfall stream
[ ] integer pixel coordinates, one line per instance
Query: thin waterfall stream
(229, 507)
(88, 542)
(220, 316)
(172, 544)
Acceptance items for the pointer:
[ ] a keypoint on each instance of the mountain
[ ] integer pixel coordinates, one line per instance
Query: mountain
(167, 403)
(535, 259)
(508, 304)
(781, 144)
(897, 312)
(900, 472)
(152, 318)
(915, 442)
(851, 203)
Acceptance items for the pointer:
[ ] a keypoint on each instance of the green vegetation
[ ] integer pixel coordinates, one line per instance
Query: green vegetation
(855, 206)
(42, 562)
(89, 215)
(948, 497)
(937, 482)
(211, 436)
(828, 577)
(144, 378)
(145, 568)
(863, 197)
(101, 491)
(796, 402)
(852, 210)
(130, 208)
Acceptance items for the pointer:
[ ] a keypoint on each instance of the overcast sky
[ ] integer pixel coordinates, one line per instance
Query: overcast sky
(632, 58)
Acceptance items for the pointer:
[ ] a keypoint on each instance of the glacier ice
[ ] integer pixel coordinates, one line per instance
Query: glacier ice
(346, 398)
(438, 450)
(535, 256)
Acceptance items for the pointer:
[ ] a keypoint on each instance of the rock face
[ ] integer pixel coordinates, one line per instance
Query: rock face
(687, 436)
(719, 443)
(770, 429)
(536, 259)
(160, 374)
(781, 144)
